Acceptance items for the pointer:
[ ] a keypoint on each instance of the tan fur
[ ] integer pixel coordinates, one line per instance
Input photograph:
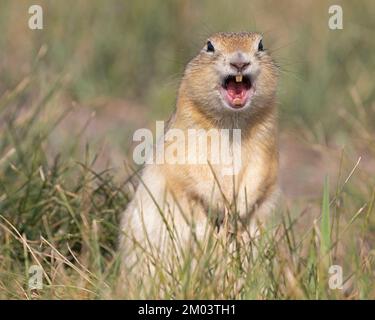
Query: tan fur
(193, 189)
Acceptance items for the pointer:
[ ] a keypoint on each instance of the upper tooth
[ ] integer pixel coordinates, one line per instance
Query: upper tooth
(239, 78)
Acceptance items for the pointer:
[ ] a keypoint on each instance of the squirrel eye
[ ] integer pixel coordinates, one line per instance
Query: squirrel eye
(210, 47)
(260, 45)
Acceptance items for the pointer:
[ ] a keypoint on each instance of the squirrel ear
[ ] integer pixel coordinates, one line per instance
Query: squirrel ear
(210, 47)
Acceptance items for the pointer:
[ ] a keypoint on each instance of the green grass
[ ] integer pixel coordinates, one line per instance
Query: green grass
(60, 202)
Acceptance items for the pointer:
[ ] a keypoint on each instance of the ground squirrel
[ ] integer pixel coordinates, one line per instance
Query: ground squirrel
(231, 84)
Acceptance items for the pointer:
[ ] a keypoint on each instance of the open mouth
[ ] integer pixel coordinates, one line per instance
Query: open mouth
(237, 90)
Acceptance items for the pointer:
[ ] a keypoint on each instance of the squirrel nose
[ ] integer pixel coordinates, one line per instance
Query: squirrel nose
(239, 65)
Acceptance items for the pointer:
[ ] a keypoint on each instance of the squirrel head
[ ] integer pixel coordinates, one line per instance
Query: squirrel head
(233, 73)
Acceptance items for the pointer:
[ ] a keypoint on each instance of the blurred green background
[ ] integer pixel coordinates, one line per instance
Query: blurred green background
(137, 50)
